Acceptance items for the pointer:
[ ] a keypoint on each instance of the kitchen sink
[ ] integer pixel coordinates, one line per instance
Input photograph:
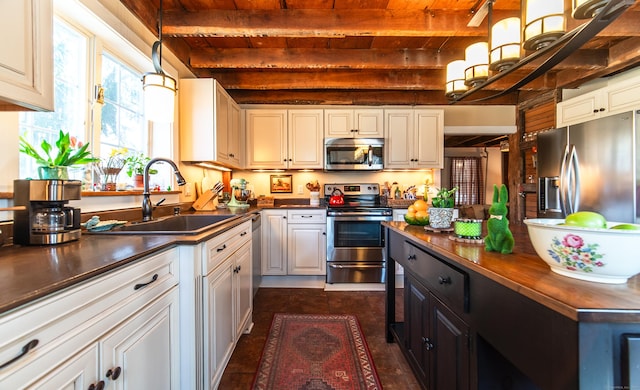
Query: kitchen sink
(179, 224)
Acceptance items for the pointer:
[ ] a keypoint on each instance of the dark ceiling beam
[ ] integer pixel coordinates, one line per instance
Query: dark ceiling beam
(307, 58)
(319, 23)
(623, 55)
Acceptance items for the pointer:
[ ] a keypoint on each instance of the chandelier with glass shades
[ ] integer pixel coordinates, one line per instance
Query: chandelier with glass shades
(542, 31)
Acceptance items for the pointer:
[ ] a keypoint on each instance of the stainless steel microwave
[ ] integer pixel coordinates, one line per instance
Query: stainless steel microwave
(354, 154)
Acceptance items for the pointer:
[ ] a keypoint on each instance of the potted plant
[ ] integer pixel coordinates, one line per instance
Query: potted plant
(135, 163)
(441, 214)
(54, 162)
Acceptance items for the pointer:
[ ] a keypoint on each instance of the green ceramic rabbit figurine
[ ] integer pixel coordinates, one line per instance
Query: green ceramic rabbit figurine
(499, 237)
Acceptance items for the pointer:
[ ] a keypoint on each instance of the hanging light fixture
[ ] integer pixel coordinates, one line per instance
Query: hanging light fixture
(587, 9)
(455, 79)
(544, 23)
(477, 60)
(505, 44)
(159, 89)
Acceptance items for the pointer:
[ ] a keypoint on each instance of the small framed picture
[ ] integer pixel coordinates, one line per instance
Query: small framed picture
(281, 183)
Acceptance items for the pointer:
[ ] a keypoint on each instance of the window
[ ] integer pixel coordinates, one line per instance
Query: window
(70, 75)
(88, 54)
(466, 174)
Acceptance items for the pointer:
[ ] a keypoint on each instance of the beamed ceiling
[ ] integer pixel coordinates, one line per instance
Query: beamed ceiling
(368, 52)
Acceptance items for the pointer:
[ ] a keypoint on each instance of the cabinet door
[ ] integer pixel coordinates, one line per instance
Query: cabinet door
(243, 289)
(145, 348)
(338, 123)
(451, 359)
(219, 323)
(623, 96)
(428, 139)
(579, 109)
(266, 132)
(416, 322)
(307, 248)
(305, 137)
(274, 242)
(222, 125)
(235, 139)
(399, 138)
(369, 123)
(26, 55)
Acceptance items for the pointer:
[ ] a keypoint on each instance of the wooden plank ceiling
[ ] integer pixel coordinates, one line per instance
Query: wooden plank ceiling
(370, 52)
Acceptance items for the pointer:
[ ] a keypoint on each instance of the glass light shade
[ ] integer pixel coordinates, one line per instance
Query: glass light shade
(544, 23)
(505, 44)
(587, 9)
(455, 78)
(476, 56)
(159, 97)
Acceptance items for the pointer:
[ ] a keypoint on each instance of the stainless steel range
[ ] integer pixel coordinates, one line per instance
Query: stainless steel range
(355, 237)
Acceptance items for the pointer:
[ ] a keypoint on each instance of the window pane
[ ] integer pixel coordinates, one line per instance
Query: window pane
(70, 76)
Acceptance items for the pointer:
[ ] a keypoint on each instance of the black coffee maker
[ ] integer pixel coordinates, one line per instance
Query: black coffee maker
(46, 219)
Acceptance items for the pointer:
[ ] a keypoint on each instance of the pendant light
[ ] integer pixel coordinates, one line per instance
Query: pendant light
(544, 23)
(477, 60)
(587, 9)
(505, 44)
(159, 90)
(455, 79)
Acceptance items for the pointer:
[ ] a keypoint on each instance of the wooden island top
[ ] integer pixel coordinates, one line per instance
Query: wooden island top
(524, 272)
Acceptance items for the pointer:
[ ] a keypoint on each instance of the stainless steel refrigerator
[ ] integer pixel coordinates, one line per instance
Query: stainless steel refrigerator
(591, 166)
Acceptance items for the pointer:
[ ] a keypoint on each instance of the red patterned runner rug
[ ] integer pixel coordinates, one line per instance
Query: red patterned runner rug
(308, 351)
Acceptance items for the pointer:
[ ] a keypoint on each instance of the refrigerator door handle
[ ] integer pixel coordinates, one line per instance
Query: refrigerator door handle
(574, 170)
(564, 177)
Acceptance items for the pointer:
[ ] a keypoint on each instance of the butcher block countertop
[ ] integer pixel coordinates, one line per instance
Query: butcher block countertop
(524, 272)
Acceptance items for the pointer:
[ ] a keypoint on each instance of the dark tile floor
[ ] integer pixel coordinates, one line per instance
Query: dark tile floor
(368, 306)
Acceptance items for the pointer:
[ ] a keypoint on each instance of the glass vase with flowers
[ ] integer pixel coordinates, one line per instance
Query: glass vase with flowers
(53, 162)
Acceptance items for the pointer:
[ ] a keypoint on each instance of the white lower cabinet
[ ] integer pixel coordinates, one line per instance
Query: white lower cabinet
(119, 331)
(294, 242)
(226, 298)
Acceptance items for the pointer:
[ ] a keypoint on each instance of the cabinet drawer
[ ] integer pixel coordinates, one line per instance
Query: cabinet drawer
(220, 247)
(307, 216)
(448, 283)
(53, 321)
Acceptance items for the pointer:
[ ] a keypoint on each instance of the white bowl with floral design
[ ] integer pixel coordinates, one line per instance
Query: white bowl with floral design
(596, 255)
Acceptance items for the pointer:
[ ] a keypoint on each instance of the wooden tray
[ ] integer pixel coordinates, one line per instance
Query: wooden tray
(438, 230)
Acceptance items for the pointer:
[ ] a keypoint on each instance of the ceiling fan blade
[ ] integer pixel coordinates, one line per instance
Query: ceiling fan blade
(480, 14)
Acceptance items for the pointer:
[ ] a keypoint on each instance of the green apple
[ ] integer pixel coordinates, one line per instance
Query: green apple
(626, 226)
(587, 219)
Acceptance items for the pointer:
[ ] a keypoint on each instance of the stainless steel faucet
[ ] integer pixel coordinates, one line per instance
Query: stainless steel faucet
(147, 207)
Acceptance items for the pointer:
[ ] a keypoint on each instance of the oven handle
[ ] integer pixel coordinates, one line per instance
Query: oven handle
(355, 266)
(340, 214)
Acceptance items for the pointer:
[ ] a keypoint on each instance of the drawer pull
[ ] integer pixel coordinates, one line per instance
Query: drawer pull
(142, 285)
(243, 234)
(306, 216)
(223, 247)
(444, 280)
(427, 343)
(114, 374)
(411, 257)
(99, 386)
(27, 347)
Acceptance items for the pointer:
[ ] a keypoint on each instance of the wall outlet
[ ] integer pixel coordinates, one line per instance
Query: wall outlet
(300, 189)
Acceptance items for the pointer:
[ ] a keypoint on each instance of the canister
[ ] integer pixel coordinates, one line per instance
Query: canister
(468, 228)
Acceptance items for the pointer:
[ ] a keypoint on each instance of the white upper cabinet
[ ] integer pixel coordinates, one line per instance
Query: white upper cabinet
(284, 139)
(619, 96)
(26, 55)
(209, 123)
(414, 138)
(354, 123)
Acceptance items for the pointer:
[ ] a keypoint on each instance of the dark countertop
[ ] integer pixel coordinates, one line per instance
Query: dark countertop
(526, 273)
(28, 273)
